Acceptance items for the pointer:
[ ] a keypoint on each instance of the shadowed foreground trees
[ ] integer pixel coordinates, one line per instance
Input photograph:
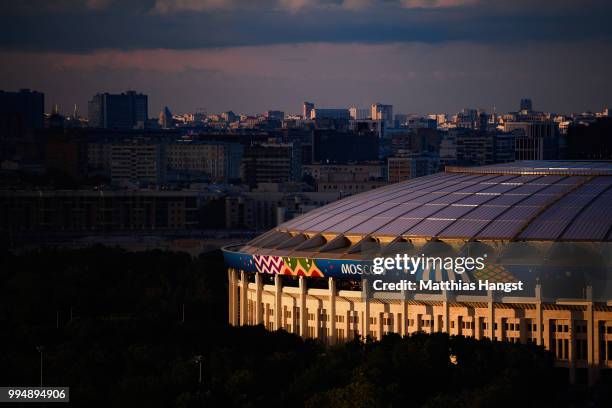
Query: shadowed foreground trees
(126, 345)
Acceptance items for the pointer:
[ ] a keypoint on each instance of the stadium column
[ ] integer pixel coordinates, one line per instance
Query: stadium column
(477, 322)
(403, 323)
(591, 343)
(231, 273)
(446, 324)
(332, 310)
(365, 320)
(258, 303)
(303, 311)
(523, 329)
(539, 319)
(278, 302)
(571, 358)
(317, 320)
(244, 282)
(267, 316)
(436, 321)
(490, 316)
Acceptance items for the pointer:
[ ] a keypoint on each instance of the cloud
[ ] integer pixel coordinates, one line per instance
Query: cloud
(54, 6)
(297, 5)
(87, 25)
(98, 4)
(170, 6)
(173, 6)
(196, 24)
(436, 3)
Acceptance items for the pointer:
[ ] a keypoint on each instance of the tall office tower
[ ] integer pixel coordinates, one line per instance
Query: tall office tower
(307, 108)
(165, 120)
(382, 112)
(21, 110)
(127, 110)
(526, 105)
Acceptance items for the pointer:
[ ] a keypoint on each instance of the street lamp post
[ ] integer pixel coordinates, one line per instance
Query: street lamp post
(40, 350)
(199, 360)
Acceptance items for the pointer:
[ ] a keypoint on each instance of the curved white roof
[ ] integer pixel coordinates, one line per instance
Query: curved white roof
(520, 201)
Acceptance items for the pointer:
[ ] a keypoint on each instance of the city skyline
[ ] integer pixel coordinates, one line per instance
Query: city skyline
(420, 56)
(82, 110)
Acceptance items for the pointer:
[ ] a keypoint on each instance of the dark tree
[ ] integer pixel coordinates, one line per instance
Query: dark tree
(592, 142)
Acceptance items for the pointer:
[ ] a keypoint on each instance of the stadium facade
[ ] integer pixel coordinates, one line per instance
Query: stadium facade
(306, 276)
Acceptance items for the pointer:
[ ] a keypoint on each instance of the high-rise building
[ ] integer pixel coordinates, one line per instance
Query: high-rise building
(23, 110)
(359, 114)
(165, 120)
(382, 112)
(526, 105)
(128, 110)
(307, 108)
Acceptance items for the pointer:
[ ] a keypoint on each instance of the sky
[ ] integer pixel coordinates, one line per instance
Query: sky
(422, 56)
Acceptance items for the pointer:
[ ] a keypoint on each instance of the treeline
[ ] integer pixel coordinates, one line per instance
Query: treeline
(126, 345)
(592, 142)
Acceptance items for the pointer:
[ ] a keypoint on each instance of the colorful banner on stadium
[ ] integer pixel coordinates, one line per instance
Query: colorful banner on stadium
(283, 265)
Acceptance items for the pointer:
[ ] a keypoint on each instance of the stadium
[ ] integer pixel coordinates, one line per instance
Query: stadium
(549, 223)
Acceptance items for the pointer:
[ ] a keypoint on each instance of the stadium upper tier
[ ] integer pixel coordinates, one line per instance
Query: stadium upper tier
(519, 201)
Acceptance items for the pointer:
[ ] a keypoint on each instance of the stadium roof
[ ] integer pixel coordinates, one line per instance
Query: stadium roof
(519, 201)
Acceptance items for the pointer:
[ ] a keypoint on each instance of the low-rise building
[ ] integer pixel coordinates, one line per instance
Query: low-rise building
(98, 211)
(137, 163)
(259, 210)
(405, 168)
(219, 160)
